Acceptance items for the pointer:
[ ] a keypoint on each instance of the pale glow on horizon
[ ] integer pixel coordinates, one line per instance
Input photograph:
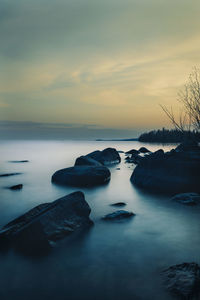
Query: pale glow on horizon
(111, 66)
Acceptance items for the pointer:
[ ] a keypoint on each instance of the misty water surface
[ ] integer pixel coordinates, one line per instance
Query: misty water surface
(110, 261)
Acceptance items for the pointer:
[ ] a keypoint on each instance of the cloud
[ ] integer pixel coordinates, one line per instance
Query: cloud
(95, 62)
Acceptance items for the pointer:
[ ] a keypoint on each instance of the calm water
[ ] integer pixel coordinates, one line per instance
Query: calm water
(112, 260)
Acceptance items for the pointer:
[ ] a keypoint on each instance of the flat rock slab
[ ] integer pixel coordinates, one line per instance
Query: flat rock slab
(183, 280)
(46, 223)
(118, 215)
(187, 198)
(82, 176)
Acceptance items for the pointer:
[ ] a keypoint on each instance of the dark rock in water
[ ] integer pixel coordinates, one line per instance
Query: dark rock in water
(120, 151)
(97, 158)
(134, 159)
(42, 226)
(82, 176)
(86, 161)
(9, 174)
(118, 215)
(188, 146)
(19, 161)
(183, 280)
(172, 172)
(16, 187)
(144, 150)
(133, 151)
(106, 157)
(117, 168)
(187, 198)
(118, 204)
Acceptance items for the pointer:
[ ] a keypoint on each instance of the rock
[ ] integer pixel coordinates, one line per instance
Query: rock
(187, 198)
(42, 226)
(133, 151)
(172, 172)
(144, 150)
(86, 161)
(16, 187)
(19, 161)
(98, 158)
(134, 159)
(9, 174)
(118, 215)
(118, 204)
(106, 157)
(120, 151)
(183, 280)
(187, 146)
(117, 168)
(82, 176)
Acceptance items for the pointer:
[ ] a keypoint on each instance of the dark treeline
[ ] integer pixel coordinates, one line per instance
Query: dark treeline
(168, 136)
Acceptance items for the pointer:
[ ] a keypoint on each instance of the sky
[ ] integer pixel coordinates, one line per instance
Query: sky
(94, 66)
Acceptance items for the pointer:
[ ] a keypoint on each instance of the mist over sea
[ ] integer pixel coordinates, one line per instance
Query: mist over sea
(112, 260)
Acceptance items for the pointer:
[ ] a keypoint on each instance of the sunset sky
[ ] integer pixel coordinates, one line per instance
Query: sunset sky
(105, 65)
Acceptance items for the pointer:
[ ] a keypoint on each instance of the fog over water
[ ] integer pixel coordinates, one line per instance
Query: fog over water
(112, 260)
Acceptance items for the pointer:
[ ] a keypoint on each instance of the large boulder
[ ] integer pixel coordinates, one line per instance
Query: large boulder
(81, 176)
(183, 280)
(177, 171)
(106, 157)
(42, 226)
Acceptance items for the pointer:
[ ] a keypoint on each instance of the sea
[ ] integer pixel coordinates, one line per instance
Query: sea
(111, 261)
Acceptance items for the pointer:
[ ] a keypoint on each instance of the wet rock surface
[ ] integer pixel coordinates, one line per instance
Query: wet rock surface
(183, 280)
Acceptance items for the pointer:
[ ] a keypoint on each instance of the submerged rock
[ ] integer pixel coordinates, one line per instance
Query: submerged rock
(16, 187)
(118, 215)
(19, 161)
(46, 223)
(183, 280)
(82, 176)
(9, 174)
(118, 204)
(187, 198)
(171, 172)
